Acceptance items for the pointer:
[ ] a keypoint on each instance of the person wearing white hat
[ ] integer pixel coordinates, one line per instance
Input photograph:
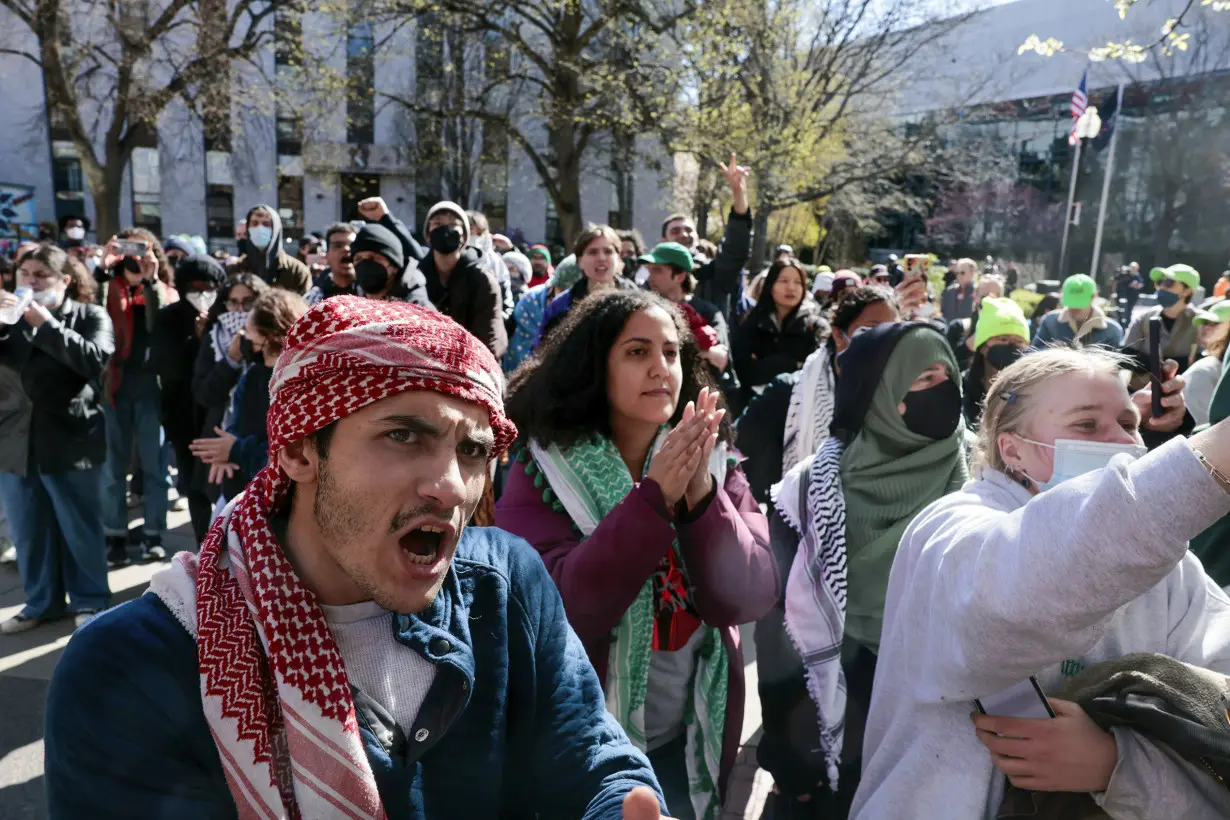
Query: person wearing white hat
(457, 283)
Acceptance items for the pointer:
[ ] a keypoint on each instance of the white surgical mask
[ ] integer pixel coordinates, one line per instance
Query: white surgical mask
(642, 275)
(260, 236)
(202, 300)
(75, 233)
(46, 298)
(1074, 457)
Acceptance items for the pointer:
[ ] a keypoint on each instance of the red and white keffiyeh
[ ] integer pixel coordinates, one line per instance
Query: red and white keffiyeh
(273, 684)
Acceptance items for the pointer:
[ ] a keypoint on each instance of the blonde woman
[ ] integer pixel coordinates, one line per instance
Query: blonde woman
(1069, 548)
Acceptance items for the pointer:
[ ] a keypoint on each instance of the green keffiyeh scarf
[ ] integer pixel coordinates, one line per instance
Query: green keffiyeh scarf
(589, 479)
(889, 474)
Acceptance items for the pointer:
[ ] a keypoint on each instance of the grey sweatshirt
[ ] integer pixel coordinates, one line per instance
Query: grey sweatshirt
(991, 585)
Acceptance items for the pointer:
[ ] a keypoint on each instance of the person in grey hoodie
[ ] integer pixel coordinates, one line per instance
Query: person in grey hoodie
(1056, 557)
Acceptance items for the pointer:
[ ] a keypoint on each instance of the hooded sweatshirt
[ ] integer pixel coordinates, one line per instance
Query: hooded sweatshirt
(992, 585)
(272, 263)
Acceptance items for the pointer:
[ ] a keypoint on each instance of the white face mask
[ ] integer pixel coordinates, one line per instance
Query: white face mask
(642, 275)
(75, 233)
(202, 300)
(47, 298)
(1075, 458)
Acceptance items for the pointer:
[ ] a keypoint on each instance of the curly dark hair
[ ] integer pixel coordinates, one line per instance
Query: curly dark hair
(275, 311)
(558, 396)
(853, 301)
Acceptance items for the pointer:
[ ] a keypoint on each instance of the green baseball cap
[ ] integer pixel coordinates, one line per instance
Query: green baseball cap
(1214, 314)
(1157, 274)
(670, 253)
(1000, 317)
(1183, 274)
(1078, 291)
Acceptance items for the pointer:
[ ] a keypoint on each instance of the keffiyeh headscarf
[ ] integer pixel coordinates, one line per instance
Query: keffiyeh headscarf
(273, 685)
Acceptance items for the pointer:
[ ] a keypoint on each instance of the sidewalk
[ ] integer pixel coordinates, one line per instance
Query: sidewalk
(28, 659)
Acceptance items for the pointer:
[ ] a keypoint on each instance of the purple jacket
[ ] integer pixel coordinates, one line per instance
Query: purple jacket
(726, 550)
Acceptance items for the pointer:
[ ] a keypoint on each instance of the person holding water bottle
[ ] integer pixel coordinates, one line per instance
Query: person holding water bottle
(59, 341)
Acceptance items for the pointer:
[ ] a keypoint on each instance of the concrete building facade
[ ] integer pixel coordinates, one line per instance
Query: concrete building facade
(312, 163)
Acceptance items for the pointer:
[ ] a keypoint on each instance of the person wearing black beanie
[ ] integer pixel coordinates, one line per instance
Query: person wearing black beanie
(174, 345)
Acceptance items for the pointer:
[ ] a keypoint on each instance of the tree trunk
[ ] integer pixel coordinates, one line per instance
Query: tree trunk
(105, 189)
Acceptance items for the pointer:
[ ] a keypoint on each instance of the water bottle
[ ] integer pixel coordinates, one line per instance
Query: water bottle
(11, 315)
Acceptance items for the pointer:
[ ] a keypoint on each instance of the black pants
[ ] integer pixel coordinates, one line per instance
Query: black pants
(200, 507)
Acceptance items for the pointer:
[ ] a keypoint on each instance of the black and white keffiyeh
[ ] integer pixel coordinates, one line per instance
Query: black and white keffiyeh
(811, 409)
(809, 499)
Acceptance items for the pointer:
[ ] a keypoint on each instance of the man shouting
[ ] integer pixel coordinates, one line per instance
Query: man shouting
(344, 646)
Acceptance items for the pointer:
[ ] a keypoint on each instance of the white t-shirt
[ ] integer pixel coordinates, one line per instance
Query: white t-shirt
(387, 671)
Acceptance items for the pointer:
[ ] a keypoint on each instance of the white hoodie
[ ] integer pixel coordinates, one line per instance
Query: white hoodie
(991, 585)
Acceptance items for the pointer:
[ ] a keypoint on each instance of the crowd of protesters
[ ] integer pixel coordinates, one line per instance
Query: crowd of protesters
(477, 527)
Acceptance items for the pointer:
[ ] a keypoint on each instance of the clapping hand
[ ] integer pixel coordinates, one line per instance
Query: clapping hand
(213, 450)
(736, 177)
(642, 804)
(681, 466)
(220, 472)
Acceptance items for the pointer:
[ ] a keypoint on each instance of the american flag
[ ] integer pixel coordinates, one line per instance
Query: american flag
(1079, 101)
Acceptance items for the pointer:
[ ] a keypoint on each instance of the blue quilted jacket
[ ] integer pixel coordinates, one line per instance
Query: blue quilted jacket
(518, 724)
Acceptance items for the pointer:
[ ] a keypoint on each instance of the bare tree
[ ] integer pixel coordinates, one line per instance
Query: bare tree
(802, 90)
(111, 68)
(569, 75)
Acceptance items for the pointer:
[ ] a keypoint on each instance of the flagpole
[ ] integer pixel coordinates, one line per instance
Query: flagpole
(1067, 215)
(1110, 167)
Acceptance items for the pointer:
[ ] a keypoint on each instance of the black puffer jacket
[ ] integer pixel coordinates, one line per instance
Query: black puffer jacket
(470, 296)
(61, 365)
(762, 350)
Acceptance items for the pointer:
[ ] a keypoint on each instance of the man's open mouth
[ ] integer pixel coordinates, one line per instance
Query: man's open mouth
(423, 544)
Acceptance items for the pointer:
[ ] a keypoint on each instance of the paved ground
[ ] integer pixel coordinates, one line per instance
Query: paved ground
(27, 661)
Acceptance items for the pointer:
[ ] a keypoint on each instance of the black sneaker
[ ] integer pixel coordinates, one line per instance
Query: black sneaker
(117, 551)
(151, 549)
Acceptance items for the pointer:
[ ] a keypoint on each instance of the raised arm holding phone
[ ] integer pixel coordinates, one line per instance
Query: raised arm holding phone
(1069, 549)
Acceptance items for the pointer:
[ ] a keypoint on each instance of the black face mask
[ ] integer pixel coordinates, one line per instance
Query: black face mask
(445, 239)
(246, 350)
(372, 276)
(1000, 356)
(934, 412)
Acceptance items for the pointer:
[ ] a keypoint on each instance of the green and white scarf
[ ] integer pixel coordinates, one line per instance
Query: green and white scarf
(590, 479)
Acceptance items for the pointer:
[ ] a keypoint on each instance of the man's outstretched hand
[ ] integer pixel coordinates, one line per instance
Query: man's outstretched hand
(642, 804)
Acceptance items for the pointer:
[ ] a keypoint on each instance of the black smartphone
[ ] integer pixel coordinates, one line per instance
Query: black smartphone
(1024, 700)
(1155, 364)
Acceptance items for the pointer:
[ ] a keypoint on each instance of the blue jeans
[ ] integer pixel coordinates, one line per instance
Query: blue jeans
(136, 413)
(59, 535)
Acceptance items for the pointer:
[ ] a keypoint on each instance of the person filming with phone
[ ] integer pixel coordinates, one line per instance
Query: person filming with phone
(1067, 552)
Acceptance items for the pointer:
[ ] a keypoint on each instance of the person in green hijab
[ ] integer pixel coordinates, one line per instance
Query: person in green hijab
(895, 447)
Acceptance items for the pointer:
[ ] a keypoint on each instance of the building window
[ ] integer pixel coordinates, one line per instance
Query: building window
(288, 59)
(357, 187)
(360, 83)
(290, 206)
(220, 215)
(429, 180)
(493, 176)
(553, 233)
(146, 190)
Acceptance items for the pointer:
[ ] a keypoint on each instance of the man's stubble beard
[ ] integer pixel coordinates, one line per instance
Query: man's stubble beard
(339, 521)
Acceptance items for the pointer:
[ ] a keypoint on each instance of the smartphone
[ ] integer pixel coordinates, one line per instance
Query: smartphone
(132, 247)
(1155, 364)
(1024, 700)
